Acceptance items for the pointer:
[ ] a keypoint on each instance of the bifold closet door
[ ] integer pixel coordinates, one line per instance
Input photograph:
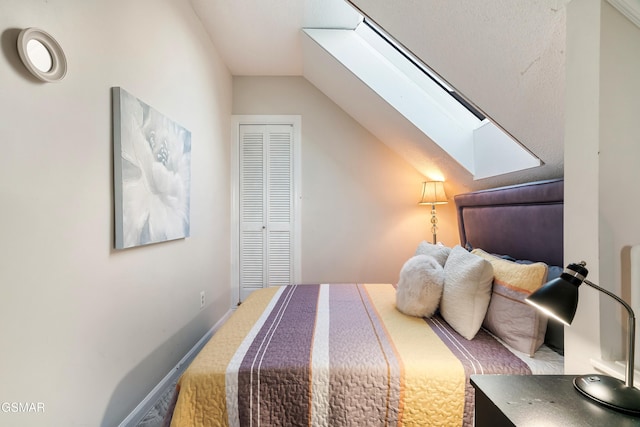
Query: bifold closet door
(266, 207)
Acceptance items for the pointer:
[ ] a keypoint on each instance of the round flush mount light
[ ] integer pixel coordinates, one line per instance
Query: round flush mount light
(42, 55)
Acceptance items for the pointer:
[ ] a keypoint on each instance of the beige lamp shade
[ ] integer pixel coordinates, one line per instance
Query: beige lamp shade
(433, 193)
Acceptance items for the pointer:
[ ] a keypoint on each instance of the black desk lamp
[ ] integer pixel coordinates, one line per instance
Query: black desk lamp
(559, 299)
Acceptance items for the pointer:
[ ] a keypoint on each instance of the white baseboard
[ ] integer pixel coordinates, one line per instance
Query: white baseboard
(147, 403)
(615, 368)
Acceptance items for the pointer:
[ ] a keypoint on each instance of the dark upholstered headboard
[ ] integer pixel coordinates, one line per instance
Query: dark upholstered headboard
(523, 221)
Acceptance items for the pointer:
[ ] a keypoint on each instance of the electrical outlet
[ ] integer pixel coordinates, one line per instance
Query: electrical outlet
(202, 299)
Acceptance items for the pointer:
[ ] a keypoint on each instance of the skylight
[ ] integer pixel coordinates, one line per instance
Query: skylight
(413, 66)
(428, 102)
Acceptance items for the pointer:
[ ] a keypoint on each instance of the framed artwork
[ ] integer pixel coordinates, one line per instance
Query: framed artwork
(152, 174)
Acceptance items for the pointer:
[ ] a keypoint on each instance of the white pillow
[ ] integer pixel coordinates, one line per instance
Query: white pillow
(439, 252)
(420, 286)
(467, 291)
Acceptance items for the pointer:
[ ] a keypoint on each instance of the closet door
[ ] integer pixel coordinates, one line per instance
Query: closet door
(266, 206)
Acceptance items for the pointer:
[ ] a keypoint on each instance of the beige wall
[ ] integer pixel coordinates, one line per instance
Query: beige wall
(602, 171)
(87, 330)
(360, 221)
(619, 167)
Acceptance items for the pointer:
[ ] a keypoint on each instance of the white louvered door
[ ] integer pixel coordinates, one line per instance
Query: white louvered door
(266, 206)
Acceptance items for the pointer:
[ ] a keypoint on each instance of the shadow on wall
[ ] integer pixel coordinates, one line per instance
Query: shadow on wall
(9, 43)
(135, 386)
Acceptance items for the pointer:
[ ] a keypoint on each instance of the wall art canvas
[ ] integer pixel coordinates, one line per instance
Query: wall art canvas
(152, 174)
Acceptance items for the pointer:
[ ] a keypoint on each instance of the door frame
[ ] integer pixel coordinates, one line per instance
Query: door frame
(236, 122)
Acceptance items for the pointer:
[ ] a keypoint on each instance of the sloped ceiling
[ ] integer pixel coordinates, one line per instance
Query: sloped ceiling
(264, 37)
(506, 57)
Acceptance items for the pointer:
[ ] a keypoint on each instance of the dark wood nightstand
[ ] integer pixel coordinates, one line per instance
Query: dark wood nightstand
(539, 400)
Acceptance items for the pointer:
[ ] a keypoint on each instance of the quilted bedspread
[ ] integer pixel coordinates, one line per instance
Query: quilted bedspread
(335, 355)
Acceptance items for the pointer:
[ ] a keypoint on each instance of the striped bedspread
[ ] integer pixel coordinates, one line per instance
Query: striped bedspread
(335, 355)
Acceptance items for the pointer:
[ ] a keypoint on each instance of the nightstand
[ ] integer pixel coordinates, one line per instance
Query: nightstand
(539, 400)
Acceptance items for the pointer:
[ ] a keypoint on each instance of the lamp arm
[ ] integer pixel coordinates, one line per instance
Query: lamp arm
(631, 332)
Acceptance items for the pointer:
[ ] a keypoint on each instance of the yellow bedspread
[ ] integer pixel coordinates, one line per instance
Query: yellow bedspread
(326, 355)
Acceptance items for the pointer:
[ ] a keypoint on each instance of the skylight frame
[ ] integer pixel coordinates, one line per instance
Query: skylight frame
(406, 64)
(420, 65)
(410, 87)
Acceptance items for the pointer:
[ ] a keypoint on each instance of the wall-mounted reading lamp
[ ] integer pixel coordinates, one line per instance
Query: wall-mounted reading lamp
(433, 194)
(559, 299)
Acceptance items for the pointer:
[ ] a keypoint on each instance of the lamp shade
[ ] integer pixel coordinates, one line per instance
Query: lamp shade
(433, 193)
(559, 297)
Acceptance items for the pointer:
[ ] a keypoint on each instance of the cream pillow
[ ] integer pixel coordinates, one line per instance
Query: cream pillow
(509, 317)
(420, 286)
(439, 252)
(467, 291)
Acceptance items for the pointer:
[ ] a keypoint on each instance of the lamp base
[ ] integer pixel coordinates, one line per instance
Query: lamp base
(610, 392)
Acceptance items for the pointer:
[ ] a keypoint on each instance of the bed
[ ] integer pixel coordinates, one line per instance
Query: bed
(344, 354)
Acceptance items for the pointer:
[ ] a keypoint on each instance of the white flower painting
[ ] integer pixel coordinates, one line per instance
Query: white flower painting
(152, 173)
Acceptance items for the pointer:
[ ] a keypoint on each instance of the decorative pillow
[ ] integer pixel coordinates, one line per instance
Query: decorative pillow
(554, 272)
(420, 286)
(554, 336)
(509, 317)
(439, 252)
(467, 290)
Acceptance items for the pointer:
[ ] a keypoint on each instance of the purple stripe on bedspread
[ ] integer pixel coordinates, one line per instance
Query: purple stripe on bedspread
(273, 381)
(362, 385)
(364, 368)
(482, 355)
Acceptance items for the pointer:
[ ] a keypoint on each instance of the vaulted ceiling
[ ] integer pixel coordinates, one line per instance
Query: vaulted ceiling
(506, 57)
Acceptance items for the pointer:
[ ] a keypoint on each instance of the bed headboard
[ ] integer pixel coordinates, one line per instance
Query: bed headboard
(523, 221)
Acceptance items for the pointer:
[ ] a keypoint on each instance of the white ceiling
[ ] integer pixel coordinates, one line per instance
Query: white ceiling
(506, 56)
(264, 37)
